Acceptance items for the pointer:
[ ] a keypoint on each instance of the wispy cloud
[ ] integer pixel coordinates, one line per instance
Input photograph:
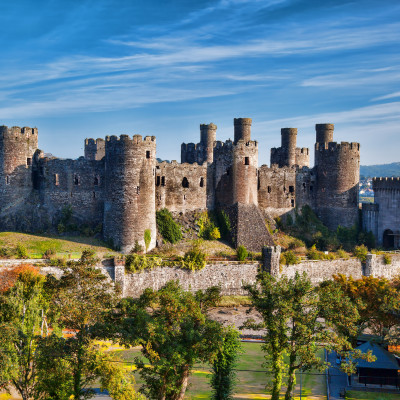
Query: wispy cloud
(387, 96)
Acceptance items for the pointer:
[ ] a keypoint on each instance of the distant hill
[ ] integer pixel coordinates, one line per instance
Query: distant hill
(383, 170)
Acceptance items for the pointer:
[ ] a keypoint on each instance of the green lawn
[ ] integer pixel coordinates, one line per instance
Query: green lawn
(68, 247)
(251, 376)
(355, 395)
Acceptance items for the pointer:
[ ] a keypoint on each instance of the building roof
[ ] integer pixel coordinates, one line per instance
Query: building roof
(384, 359)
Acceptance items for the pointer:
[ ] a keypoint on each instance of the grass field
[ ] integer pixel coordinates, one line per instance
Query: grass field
(251, 377)
(355, 395)
(68, 247)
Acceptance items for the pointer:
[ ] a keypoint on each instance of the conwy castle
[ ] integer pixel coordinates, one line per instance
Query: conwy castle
(118, 185)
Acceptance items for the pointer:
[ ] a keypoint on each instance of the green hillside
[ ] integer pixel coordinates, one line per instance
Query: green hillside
(381, 170)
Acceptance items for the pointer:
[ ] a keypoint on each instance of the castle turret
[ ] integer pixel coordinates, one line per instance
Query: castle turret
(17, 148)
(208, 135)
(338, 176)
(242, 130)
(129, 206)
(95, 149)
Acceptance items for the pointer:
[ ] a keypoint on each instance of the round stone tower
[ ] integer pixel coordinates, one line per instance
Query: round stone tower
(242, 129)
(288, 145)
(324, 133)
(208, 135)
(17, 148)
(129, 206)
(245, 163)
(338, 176)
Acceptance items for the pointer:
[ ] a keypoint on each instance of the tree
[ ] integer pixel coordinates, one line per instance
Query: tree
(291, 310)
(223, 378)
(22, 308)
(172, 327)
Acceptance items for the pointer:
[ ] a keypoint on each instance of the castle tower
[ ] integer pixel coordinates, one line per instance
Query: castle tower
(242, 129)
(338, 175)
(95, 149)
(129, 206)
(208, 135)
(17, 148)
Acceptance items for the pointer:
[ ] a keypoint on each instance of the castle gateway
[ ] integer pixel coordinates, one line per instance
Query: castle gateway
(119, 184)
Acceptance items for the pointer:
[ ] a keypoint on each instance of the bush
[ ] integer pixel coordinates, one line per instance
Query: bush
(241, 253)
(361, 252)
(207, 228)
(194, 259)
(342, 254)
(289, 258)
(215, 234)
(296, 243)
(224, 224)
(137, 248)
(58, 262)
(314, 254)
(49, 253)
(147, 238)
(6, 252)
(168, 228)
(21, 251)
(387, 260)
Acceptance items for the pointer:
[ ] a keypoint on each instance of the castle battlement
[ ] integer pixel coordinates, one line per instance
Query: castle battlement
(136, 139)
(334, 146)
(241, 144)
(16, 130)
(91, 141)
(392, 183)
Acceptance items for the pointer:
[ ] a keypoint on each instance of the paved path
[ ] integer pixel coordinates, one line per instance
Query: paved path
(337, 378)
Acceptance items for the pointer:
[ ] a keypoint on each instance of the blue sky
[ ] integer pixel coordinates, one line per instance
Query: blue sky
(79, 68)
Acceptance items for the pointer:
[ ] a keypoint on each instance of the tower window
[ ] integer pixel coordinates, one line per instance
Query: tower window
(148, 154)
(292, 202)
(291, 189)
(7, 180)
(269, 189)
(96, 181)
(201, 182)
(137, 189)
(56, 181)
(311, 188)
(246, 161)
(76, 179)
(94, 195)
(185, 182)
(184, 197)
(158, 181)
(163, 181)
(29, 161)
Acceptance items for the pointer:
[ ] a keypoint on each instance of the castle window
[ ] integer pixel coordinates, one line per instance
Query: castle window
(148, 154)
(76, 179)
(56, 181)
(163, 181)
(258, 183)
(96, 181)
(284, 189)
(201, 182)
(291, 189)
(185, 182)
(292, 202)
(158, 181)
(137, 189)
(7, 180)
(184, 197)
(227, 172)
(29, 161)
(94, 195)
(246, 161)
(311, 188)
(269, 189)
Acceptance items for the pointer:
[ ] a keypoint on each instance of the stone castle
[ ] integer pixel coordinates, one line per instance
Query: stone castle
(119, 184)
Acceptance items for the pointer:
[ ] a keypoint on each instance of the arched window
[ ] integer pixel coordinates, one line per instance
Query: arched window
(185, 182)
(201, 182)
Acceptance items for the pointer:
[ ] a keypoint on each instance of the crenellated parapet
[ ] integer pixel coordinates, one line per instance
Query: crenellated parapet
(95, 149)
(386, 184)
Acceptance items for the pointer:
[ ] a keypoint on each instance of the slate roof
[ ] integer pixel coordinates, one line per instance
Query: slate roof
(384, 359)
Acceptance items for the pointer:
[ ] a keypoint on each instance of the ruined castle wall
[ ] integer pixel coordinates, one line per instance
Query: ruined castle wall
(223, 173)
(338, 175)
(181, 187)
(276, 189)
(387, 198)
(306, 187)
(370, 213)
(129, 206)
(302, 157)
(77, 183)
(230, 277)
(95, 149)
(17, 148)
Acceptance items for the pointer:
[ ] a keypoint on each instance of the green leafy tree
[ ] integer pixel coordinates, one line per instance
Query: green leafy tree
(241, 253)
(223, 378)
(291, 310)
(168, 228)
(21, 316)
(174, 331)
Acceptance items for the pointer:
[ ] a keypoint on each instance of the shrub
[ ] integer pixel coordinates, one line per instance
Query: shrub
(215, 234)
(342, 254)
(168, 228)
(224, 224)
(137, 248)
(314, 254)
(6, 252)
(289, 258)
(21, 251)
(296, 243)
(194, 259)
(241, 253)
(387, 260)
(137, 263)
(361, 252)
(49, 253)
(58, 262)
(207, 228)
(147, 238)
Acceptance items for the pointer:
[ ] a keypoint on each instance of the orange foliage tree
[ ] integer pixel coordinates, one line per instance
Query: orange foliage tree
(24, 272)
